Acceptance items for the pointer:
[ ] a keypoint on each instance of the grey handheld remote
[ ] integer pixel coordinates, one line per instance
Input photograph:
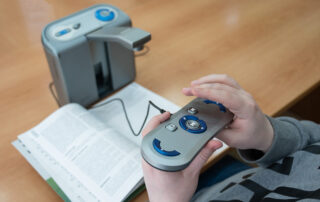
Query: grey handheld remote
(174, 143)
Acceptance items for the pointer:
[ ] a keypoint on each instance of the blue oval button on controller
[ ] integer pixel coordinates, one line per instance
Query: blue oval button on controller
(221, 106)
(157, 147)
(186, 119)
(105, 14)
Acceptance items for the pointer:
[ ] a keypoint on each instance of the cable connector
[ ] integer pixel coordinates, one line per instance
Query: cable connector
(158, 108)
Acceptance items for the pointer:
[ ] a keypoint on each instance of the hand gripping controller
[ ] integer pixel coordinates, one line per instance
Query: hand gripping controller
(174, 143)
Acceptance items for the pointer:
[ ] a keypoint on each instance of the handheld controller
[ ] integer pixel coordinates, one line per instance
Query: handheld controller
(174, 143)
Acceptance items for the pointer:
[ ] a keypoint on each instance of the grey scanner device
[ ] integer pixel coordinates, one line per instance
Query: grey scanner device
(91, 53)
(176, 142)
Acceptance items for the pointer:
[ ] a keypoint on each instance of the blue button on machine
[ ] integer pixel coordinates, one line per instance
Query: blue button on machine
(105, 14)
(221, 106)
(193, 124)
(157, 147)
(62, 32)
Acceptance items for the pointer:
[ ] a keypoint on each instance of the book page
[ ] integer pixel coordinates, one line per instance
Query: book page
(60, 179)
(92, 152)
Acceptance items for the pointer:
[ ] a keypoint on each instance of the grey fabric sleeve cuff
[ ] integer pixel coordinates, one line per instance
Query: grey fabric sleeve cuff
(285, 142)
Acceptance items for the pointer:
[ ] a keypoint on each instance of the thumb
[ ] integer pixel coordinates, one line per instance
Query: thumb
(154, 122)
(204, 155)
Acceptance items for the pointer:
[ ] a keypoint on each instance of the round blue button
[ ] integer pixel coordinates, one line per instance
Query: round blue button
(105, 14)
(202, 126)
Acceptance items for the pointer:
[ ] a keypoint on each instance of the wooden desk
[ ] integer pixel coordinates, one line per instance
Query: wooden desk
(272, 48)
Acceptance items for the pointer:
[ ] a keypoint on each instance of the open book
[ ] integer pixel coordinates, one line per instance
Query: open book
(92, 155)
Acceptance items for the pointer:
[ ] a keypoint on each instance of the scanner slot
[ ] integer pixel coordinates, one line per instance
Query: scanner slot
(101, 81)
(101, 68)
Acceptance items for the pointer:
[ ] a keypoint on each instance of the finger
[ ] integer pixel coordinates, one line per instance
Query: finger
(228, 136)
(146, 167)
(187, 91)
(228, 96)
(234, 135)
(217, 78)
(154, 122)
(204, 155)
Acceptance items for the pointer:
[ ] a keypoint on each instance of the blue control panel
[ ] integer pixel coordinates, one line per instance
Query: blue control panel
(221, 106)
(157, 147)
(105, 14)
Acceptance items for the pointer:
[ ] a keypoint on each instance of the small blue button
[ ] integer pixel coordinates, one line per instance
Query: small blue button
(202, 125)
(221, 106)
(157, 147)
(62, 32)
(105, 14)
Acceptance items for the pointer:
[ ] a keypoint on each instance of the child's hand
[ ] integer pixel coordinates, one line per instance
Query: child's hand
(250, 128)
(174, 186)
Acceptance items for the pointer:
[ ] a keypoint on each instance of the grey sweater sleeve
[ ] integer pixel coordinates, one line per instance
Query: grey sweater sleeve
(290, 135)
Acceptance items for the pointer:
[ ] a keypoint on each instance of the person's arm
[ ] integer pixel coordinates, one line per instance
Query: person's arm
(290, 135)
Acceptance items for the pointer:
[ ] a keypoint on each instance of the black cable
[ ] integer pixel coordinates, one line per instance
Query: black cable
(51, 84)
(53, 94)
(155, 106)
(126, 114)
(142, 52)
(123, 107)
